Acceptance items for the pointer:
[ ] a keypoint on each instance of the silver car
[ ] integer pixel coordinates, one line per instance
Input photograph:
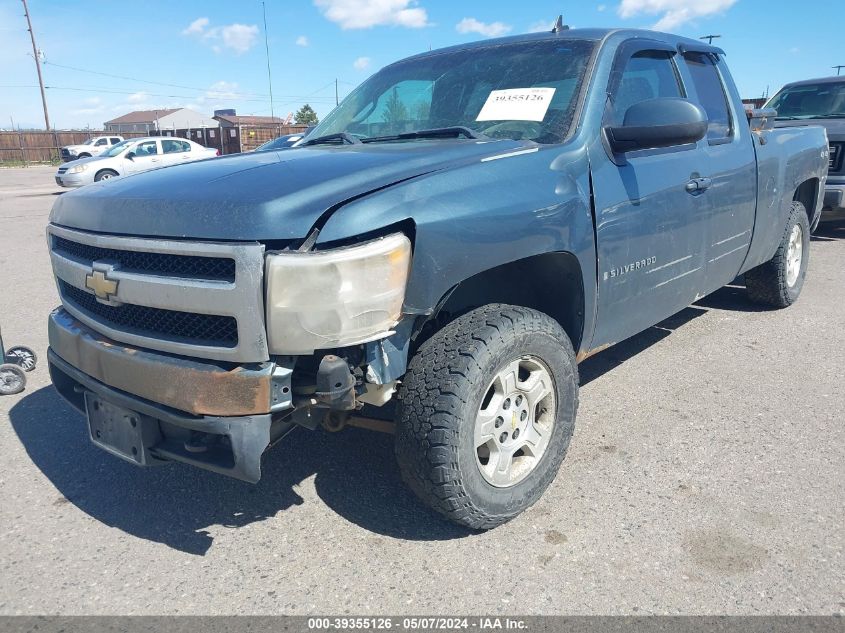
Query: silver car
(131, 157)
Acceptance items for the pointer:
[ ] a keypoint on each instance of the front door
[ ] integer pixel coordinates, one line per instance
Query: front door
(650, 232)
(146, 156)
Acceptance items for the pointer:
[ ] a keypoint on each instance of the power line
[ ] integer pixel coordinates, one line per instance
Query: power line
(294, 98)
(144, 81)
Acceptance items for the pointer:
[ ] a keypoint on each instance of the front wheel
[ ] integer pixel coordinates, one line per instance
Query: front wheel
(485, 414)
(778, 282)
(12, 379)
(105, 174)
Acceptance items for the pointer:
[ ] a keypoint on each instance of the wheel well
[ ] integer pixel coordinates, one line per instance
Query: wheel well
(807, 194)
(551, 283)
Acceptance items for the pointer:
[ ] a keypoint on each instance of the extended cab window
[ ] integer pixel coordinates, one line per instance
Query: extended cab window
(711, 94)
(466, 87)
(114, 141)
(646, 75)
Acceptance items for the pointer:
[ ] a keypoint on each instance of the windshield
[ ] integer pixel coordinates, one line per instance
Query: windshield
(810, 101)
(117, 149)
(525, 90)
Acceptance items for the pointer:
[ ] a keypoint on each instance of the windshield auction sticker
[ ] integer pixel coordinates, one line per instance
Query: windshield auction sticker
(517, 104)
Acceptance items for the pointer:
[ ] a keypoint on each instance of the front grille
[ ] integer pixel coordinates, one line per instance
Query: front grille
(836, 152)
(62, 170)
(65, 153)
(184, 266)
(198, 329)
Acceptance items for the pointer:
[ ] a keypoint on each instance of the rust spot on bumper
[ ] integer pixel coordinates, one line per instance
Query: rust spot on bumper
(195, 386)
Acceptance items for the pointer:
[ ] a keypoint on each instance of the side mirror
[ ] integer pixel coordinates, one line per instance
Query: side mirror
(654, 123)
(130, 155)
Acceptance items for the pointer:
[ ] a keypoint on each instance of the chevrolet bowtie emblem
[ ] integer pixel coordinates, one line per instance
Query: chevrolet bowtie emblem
(102, 286)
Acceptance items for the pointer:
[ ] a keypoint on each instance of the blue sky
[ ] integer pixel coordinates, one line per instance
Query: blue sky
(212, 55)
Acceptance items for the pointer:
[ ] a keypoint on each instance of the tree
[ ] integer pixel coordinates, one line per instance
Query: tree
(394, 110)
(305, 116)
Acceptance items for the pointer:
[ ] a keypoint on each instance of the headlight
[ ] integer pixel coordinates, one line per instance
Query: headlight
(78, 169)
(335, 298)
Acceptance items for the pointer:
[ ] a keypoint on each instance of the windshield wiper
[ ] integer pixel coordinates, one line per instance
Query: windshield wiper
(343, 137)
(831, 115)
(454, 131)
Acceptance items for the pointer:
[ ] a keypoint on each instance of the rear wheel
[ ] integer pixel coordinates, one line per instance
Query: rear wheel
(778, 282)
(105, 174)
(485, 414)
(12, 379)
(23, 357)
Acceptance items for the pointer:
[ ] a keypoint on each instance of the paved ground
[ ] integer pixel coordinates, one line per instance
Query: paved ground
(705, 476)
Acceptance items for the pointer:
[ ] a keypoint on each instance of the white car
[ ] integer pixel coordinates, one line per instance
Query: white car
(92, 147)
(131, 157)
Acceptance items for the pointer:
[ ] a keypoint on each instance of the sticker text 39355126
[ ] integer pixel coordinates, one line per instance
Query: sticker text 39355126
(516, 104)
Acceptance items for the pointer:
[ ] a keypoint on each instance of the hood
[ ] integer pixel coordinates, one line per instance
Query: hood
(79, 148)
(79, 161)
(835, 127)
(258, 196)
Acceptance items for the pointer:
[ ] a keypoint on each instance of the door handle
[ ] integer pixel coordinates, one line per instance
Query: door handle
(698, 185)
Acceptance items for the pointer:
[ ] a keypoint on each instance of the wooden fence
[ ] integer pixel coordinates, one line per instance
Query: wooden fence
(25, 147)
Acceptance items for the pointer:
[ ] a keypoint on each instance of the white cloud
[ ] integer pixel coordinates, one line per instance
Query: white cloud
(302, 40)
(237, 37)
(364, 14)
(222, 90)
(493, 29)
(540, 26)
(362, 63)
(196, 27)
(601, 7)
(137, 97)
(673, 13)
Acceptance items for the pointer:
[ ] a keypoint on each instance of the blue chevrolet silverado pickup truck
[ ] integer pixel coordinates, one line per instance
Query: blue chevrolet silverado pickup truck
(449, 242)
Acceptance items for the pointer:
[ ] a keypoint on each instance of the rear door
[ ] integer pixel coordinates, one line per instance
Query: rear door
(650, 230)
(175, 151)
(728, 196)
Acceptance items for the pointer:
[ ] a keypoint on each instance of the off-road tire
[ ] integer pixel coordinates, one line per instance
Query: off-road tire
(767, 283)
(440, 397)
(105, 174)
(12, 379)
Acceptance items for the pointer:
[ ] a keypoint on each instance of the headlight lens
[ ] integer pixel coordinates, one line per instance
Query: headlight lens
(335, 298)
(78, 169)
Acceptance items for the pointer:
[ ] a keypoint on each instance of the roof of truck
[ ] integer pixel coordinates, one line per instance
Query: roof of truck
(594, 34)
(820, 80)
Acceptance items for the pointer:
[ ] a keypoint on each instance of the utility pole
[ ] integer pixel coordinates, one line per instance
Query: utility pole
(37, 65)
(709, 38)
(838, 68)
(336, 100)
(267, 50)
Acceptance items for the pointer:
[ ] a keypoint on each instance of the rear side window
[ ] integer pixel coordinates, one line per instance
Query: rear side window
(114, 141)
(646, 75)
(711, 94)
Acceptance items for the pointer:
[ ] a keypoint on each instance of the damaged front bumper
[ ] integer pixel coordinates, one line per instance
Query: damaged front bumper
(149, 407)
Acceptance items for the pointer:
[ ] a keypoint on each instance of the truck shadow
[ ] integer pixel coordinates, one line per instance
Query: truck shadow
(355, 475)
(354, 472)
(829, 231)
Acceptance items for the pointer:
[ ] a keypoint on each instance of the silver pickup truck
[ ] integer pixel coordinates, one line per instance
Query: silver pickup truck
(450, 241)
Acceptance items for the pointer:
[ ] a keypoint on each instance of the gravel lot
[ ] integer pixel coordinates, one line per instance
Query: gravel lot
(705, 476)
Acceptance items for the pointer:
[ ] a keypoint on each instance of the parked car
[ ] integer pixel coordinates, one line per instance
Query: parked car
(448, 244)
(819, 102)
(282, 142)
(132, 157)
(92, 147)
